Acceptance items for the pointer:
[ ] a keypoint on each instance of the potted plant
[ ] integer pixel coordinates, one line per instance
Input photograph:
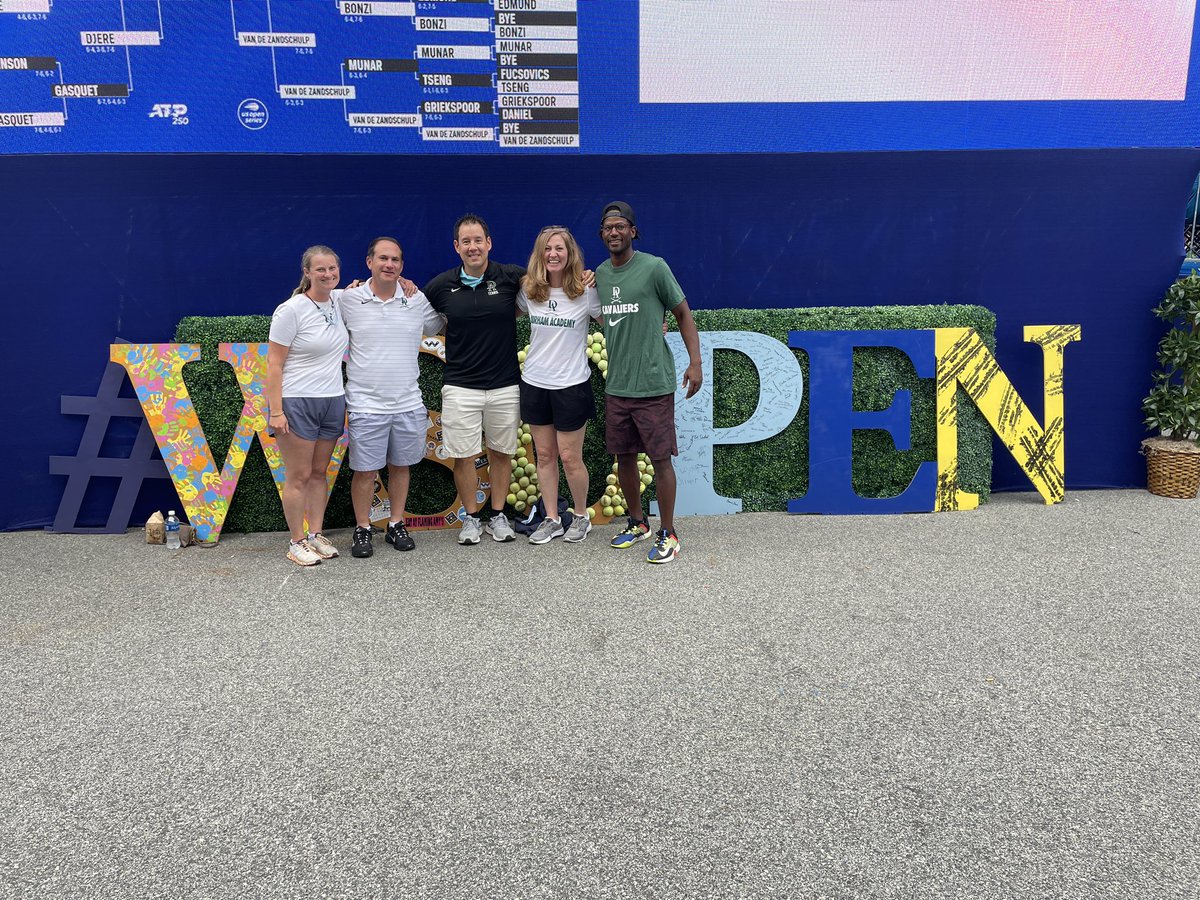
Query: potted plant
(1173, 406)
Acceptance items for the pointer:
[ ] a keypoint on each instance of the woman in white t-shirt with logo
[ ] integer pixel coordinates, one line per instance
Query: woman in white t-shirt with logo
(556, 388)
(306, 399)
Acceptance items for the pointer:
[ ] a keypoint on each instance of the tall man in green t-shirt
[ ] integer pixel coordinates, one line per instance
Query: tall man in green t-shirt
(636, 291)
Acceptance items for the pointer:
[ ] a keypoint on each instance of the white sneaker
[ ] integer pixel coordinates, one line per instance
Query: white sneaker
(578, 529)
(322, 546)
(303, 555)
(547, 531)
(470, 531)
(499, 528)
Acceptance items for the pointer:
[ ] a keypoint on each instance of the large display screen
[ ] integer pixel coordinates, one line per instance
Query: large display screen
(593, 76)
(837, 51)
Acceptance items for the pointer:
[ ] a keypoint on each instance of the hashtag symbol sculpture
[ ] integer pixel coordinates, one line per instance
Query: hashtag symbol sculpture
(87, 463)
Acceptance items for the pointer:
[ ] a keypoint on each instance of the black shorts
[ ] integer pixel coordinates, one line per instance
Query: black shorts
(567, 409)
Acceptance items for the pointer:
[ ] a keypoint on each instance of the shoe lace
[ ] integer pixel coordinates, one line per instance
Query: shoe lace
(362, 535)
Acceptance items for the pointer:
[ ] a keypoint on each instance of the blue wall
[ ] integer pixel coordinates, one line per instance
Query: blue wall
(101, 246)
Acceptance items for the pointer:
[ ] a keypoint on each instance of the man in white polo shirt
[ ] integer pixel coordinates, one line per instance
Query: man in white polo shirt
(388, 419)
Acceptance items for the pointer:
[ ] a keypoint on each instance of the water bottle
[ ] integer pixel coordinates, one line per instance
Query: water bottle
(172, 531)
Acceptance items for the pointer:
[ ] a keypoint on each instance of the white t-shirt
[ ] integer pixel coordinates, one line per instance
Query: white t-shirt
(557, 334)
(316, 340)
(385, 340)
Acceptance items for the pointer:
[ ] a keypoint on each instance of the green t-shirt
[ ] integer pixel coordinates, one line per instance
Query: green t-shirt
(634, 299)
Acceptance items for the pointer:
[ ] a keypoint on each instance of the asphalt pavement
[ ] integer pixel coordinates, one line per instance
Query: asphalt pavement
(986, 704)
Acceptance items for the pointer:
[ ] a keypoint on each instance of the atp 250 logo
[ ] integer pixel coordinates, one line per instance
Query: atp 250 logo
(177, 113)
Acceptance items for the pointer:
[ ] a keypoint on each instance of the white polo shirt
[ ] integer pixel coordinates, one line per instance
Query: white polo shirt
(316, 340)
(557, 333)
(385, 339)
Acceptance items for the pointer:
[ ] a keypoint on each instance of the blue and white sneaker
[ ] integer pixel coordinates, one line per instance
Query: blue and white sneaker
(632, 533)
(665, 549)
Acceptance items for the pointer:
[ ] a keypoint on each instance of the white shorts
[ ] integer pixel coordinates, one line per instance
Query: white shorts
(394, 439)
(468, 411)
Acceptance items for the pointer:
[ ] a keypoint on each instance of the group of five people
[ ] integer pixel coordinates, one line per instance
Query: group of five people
(485, 394)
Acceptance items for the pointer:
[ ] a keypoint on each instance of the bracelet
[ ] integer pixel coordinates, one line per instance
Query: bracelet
(276, 415)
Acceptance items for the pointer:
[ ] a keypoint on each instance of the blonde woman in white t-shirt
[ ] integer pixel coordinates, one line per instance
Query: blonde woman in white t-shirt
(306, 400)
(556, 389)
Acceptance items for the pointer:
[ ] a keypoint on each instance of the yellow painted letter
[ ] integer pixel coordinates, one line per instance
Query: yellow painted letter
(962, 359)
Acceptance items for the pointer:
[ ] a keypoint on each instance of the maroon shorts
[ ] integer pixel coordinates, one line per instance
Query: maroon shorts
(640, 425)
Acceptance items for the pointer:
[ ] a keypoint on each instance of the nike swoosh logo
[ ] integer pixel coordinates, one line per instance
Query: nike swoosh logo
(452, 290)
(612, 322)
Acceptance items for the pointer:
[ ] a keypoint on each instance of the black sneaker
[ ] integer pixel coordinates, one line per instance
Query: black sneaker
(361, 548)
(397, 536)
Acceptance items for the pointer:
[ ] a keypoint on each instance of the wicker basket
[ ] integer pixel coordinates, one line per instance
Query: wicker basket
(1171, 472)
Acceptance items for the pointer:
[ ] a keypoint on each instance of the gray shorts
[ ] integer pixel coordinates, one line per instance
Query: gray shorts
(314, 418)
(394, 439)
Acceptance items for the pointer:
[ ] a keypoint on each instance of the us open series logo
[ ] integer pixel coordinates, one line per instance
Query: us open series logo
(253, 114)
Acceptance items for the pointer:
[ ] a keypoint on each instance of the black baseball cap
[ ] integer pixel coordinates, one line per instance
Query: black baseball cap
(618, 208)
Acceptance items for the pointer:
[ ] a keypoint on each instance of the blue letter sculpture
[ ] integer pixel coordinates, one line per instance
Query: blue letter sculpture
(781, 387)
(832, 421)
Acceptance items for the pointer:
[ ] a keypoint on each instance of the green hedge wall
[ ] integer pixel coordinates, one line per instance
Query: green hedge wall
(768, 474)
(765, 475)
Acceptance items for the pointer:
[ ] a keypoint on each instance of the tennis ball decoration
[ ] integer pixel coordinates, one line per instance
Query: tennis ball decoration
(523, 489)
(612, 503)
(597, 353)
